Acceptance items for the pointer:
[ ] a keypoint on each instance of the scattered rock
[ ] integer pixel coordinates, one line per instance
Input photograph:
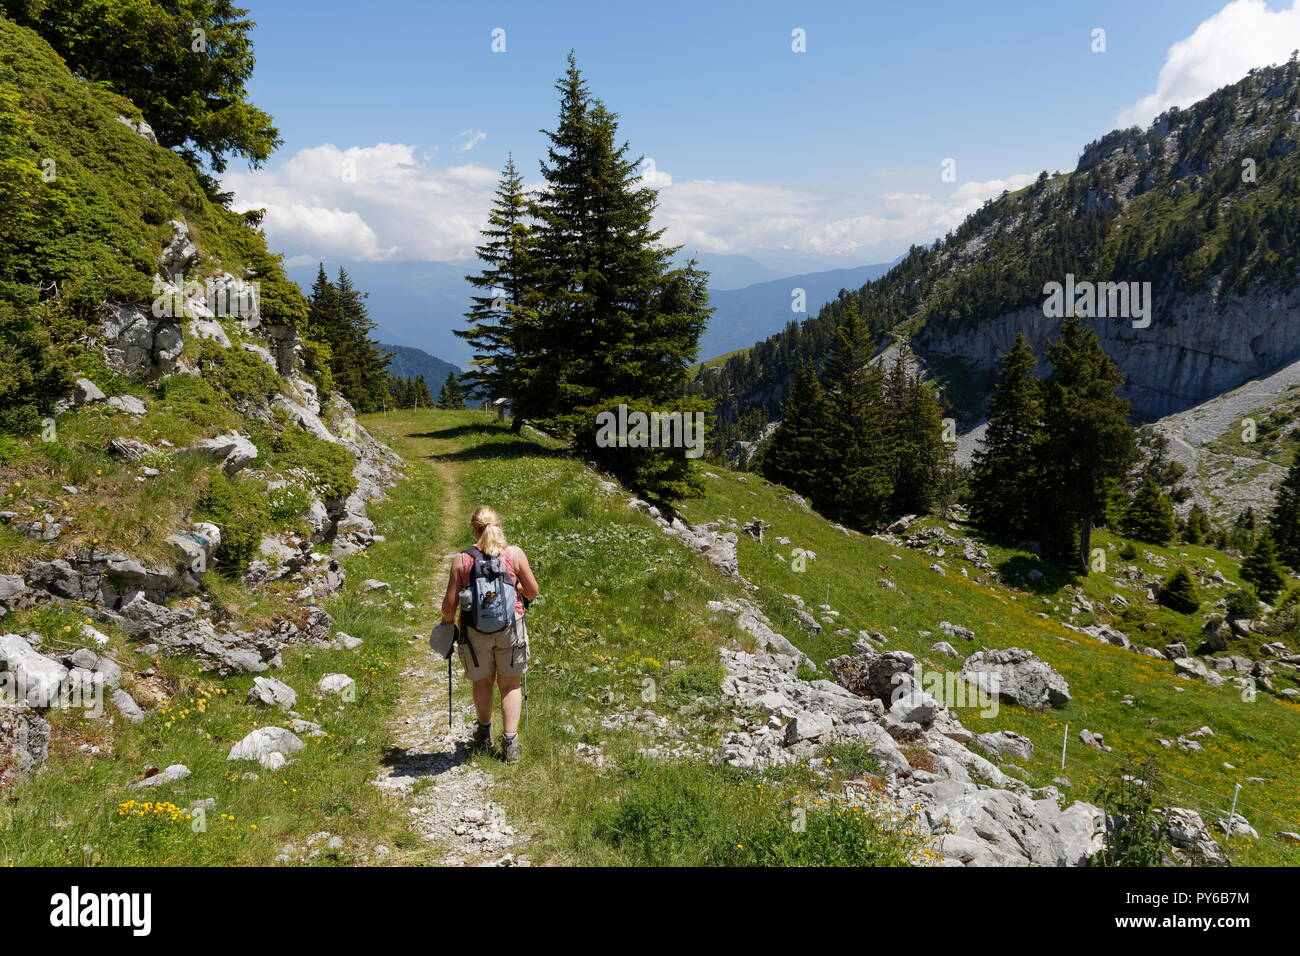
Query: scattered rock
(1016, 675)
(173, 774)
(339, 684)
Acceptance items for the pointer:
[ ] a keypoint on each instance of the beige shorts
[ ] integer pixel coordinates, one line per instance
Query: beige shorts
(504, 653)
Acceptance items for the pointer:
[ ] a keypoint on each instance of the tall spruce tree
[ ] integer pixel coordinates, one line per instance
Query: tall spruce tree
(361, 368)
(499, 330)
(859, 495)
(797, 454)
(337, 317)
(1003, 471)
(1088, 444)
(608, 319)
(1284, 521)
(919, 457)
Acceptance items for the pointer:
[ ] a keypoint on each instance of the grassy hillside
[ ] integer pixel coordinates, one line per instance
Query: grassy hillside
(623, 705)
(1259, 739)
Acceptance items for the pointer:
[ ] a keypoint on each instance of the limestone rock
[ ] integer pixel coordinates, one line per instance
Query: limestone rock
(28, 676)
(1016, 675)
(264, 741)
(272, 693)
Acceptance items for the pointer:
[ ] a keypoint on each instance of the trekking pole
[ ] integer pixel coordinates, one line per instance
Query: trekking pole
(523, 711)
(449, 693)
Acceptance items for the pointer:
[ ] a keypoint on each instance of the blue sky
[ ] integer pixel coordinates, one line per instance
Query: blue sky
(834, 152)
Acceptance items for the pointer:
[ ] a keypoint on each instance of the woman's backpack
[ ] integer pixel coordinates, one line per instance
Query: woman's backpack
(491, 594)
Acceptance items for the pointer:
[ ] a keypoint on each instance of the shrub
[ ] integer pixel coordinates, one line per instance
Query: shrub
(695, 680)
(286, 504)
(240, 509)
(1137, 833)
(327, 465)
(1179, 592)
(1243, 603)
(239, 373)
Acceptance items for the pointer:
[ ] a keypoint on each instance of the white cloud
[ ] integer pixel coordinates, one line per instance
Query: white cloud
(733, 217)
(385, 202)
(472, 138)
(367, 203)
(1222, 50)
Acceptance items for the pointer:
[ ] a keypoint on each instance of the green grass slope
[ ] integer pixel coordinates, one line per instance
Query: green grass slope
(1259, 738)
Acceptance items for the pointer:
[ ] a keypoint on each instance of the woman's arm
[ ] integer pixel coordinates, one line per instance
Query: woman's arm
(524, 575)
(451, 600)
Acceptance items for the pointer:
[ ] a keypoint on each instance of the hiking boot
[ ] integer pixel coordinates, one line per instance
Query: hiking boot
(510, 749)
(482, 736)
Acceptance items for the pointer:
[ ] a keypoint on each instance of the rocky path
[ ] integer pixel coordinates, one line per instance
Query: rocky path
(427, 770)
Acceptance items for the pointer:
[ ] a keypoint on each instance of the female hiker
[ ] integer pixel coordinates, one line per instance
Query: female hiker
(490, 573)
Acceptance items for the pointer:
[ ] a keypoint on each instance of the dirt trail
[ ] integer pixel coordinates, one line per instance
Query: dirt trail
(447, 798)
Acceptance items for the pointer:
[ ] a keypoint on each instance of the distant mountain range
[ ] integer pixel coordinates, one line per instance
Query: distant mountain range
(417, 304)
(742, 317)
(408, 362)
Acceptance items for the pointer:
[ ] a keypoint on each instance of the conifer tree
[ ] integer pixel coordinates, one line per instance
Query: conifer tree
(608, 319)
(1180, 593)
(1003, 471)
(860, 494)
(1150, 515)
(1196, 529)
(1263, 568)
(797, 453)
(499, 330)
(337, 316)
(452, 396)
(361, 367)
(1284, 522)
(914, 445)
(1088, 444)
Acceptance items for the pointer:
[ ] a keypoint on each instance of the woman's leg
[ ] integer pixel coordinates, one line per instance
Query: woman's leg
(512, 699)
(483, 699)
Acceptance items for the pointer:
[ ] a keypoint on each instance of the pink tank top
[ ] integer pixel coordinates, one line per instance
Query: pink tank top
(466, 564)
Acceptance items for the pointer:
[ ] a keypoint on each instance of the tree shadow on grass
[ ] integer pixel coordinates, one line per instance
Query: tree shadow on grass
(460, 431)
(501, 450)
(1018, 571)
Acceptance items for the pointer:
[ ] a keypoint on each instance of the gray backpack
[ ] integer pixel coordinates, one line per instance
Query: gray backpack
(488, 599)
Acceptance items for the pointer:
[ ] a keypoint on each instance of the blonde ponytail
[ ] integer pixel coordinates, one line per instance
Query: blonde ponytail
(486, 526)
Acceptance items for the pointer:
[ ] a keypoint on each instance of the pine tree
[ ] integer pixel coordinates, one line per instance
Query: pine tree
(499, 330)
(797, 453)
(861, 465)
(1180, 593)
(1263, 568)
(452, 396)
(360, 365)
(1150, 515)
(914, 445)
(1196, 529)
(1284, 522)
(1002, 473)
(1088, 444)
(608, 320)
(337, 317)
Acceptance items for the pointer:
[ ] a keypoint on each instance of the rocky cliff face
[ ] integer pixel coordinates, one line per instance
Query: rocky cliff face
(1197, 346)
